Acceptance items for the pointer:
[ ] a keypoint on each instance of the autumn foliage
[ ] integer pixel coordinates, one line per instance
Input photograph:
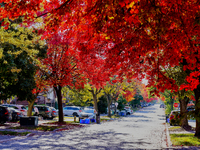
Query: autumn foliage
(133, 38)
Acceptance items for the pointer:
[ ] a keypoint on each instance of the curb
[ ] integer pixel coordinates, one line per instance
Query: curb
(169, 143)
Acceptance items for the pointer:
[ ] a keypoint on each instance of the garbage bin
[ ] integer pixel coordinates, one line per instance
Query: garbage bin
(29, 121)
(167, 118)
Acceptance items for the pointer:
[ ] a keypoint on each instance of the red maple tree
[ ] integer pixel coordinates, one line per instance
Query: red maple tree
(138, 36)
(60, 67)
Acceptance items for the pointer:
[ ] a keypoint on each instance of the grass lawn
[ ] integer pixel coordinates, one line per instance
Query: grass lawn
(115, 116)
(50, 126)
(65, 122)
(14, 133)
(39, 128)
(104, 119)
(184, 140)
(174, 128)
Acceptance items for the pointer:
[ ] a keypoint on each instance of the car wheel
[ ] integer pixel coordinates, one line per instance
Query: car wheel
(128, 113)
(75, 114)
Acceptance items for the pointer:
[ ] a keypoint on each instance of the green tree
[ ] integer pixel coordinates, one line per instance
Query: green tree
(178, 75)
(121, 103)
(102, 104)
(78, 97)
(19, 50)
(137, 98)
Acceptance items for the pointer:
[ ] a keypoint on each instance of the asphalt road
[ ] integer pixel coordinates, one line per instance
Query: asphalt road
(145, 129)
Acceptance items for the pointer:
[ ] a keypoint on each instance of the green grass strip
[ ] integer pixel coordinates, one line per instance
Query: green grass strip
(174, 128)
(14, 133)
(38, 128)
(184, 140)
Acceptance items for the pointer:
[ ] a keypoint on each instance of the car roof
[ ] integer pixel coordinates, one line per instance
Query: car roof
(73, 106)
(88, 109)
(3, 106)
(13, 105)
(13, 109)
(175, 110)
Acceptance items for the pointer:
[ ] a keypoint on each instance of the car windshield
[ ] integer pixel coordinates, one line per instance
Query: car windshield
(53, 109)
(23, 107)
(88, 111)
(14, 107)
(175, 113)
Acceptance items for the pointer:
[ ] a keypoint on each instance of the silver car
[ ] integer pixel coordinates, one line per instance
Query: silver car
(20, 108)
(72, 111)
(54, 112)
(88, 113)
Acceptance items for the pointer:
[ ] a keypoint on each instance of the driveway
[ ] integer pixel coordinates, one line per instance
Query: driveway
(145, 129)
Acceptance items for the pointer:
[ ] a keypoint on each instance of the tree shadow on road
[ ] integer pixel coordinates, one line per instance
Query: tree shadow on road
(139, 116)
(80, 139)
(146, 111)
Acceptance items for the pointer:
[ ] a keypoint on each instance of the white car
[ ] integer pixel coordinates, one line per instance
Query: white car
(20, 108)
(88, 113)
(129, 111)
(72, 111)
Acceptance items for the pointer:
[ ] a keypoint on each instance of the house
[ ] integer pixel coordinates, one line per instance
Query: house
(48, 98)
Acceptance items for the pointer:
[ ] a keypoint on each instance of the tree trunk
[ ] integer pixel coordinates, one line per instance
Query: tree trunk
(30, 108)
(172, 102)
(108, 101)
(197, 108)
(94, 94)
(115, 106)
(95, 102)
(183, 111)
(60, 107)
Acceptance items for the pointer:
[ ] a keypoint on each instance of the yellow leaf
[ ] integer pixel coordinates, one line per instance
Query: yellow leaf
(1, 53)
(111, 17)
(131, 4)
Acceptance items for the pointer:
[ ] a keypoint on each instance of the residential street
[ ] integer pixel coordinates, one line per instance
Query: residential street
(145, 129)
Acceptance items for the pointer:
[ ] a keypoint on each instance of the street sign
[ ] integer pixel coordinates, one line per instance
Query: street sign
(175, 104)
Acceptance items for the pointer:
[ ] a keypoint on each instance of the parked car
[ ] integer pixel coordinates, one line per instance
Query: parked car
(144, 105)
(54, 112)
(21, 108)
(34, 113)
(5, 114)
(174, 117)
(117, 111)
(16, 114)
(162, 106)
(129, 111)
(122, 112)
(88, 113)
(72, 111)
(44, 111)
(191, 108)
(149, 104)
